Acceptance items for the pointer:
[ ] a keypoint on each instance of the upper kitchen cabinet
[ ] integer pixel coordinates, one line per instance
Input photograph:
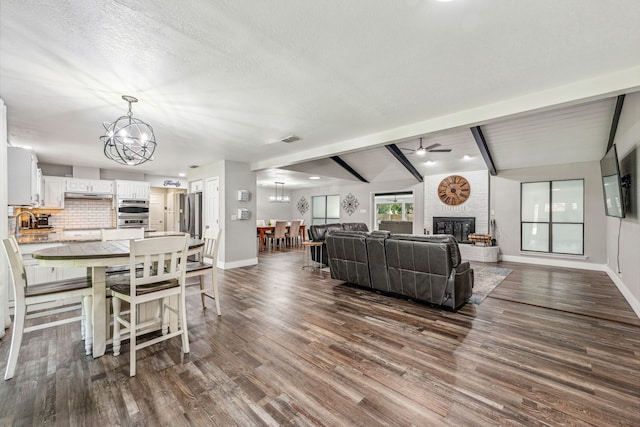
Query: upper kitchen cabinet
(53, 192)
(81, 185)
(24, 177)
(133, 190)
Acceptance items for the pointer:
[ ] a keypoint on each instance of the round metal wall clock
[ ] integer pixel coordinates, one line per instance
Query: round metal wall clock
(454, 190)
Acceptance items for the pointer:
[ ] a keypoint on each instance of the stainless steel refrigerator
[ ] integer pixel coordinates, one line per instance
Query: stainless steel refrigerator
(190, 206)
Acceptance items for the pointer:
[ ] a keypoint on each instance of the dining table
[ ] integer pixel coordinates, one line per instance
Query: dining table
(262, 229)
(96, 257)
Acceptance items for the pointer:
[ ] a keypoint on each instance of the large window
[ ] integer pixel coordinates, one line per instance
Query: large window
(552, 216)
(325, 209)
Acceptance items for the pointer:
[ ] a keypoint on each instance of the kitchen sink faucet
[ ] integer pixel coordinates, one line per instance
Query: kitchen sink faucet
(33, 219)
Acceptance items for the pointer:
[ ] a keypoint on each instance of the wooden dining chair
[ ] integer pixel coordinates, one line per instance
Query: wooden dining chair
(152, 284)
(294, 232)
(36, 301)
(207, 263)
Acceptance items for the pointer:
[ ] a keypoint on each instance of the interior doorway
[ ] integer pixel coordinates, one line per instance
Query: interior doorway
(164, 214)
(393, 211)
(156, 209)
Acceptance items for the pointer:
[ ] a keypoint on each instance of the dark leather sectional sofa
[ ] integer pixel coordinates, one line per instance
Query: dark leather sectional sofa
(318, 233)
(423, 268)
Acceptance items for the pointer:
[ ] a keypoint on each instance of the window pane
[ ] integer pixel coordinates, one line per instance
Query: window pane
(535, 237)
(318, 204)
(535, 202)
(566, 201)
(333, 207)
(567, 239)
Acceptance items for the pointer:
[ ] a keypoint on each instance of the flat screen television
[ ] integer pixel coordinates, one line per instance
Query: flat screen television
(612, 184)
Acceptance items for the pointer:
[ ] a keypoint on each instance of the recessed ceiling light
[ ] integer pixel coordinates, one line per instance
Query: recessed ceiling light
(430, 162)
(182, 174)
(466, 157)
(314, 177)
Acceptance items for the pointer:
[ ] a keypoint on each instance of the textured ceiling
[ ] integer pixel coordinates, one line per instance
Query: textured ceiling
(228, 79)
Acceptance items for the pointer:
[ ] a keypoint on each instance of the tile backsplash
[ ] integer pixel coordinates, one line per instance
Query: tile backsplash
(79, 213)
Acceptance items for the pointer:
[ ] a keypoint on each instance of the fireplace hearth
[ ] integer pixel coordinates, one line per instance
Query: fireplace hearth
(458, 227)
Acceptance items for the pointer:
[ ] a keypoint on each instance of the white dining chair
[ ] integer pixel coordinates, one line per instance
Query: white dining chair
(152, 284)
(34, 301)
(109, 234)
(121, 233)
(207, 263)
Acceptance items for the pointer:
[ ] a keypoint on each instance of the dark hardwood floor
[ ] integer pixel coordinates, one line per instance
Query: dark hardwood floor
(549, 346)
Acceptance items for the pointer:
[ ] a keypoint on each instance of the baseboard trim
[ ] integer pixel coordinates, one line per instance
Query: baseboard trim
(626, 292)
(235, 264)
(554, 262)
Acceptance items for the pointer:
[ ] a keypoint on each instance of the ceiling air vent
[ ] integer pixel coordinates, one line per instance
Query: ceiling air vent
(291, 138)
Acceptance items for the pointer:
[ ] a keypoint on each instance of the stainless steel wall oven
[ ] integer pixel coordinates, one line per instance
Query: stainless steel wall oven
(133, 213)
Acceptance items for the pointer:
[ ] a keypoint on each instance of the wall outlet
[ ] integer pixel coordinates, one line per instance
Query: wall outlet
(234, 217)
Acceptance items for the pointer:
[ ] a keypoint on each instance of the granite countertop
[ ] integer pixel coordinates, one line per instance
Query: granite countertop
(60, 236)
(68, 236)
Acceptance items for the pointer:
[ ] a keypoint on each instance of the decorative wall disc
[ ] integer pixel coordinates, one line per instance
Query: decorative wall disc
(303, 205)
(350, 204)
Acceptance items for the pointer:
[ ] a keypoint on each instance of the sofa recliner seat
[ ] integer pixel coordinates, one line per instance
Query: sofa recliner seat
(422, 268)
(319, 233)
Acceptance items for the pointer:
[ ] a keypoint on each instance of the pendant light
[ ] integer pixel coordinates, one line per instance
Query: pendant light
(129, 141)
(279, 197)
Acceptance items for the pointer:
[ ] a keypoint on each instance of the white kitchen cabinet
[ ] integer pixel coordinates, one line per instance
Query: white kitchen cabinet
(80, 185)
(133, 190)
(53, 192)
(23, 177)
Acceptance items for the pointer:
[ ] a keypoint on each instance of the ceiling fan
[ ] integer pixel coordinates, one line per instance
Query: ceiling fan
(421, 151)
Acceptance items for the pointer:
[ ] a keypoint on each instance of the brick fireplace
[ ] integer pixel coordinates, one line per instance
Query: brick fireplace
(459, 227)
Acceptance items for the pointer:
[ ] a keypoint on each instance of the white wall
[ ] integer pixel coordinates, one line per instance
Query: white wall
(627, 141)
(505, 202)
(159, 180)
(238, 245)
(477, 205)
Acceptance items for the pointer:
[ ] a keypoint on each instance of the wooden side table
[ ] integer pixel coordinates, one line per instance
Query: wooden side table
(306, 255)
